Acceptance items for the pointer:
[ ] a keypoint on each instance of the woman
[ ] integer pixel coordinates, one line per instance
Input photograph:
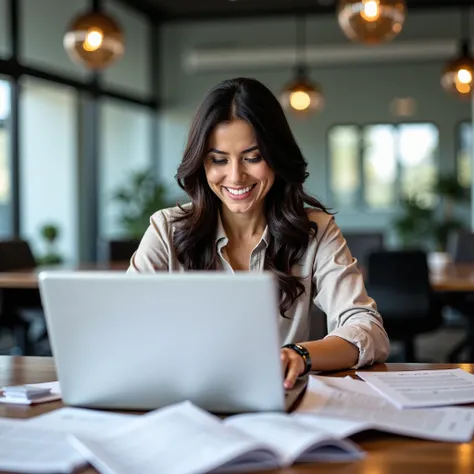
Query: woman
(244, 174)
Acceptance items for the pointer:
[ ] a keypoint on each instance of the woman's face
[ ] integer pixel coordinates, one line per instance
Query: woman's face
(235, 169)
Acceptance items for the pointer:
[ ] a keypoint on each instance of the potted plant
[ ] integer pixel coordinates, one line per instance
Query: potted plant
(428, 226)
(139, 198)
(50, 233)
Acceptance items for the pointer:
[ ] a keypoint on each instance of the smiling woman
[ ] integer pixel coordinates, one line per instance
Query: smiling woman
(244, 174)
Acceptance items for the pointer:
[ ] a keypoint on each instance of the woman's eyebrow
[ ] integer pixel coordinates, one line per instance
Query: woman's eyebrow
(219, 152)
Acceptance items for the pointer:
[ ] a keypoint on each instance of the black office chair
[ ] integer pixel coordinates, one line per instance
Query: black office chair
(400, 285)
(119, 250)
(20, 309)
(460, 247)
(362, 243)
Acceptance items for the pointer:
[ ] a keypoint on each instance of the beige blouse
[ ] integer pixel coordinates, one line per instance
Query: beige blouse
(330, 275)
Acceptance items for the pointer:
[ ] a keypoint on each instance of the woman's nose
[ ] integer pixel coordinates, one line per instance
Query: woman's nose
(237, 174)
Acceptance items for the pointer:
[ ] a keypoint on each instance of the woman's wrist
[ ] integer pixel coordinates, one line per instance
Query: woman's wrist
(303, 353)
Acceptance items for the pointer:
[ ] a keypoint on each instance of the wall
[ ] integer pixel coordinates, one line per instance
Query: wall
(355, 93)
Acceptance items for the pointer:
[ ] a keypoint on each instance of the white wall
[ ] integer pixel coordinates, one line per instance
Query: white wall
(4, 43)
(131, 73)
(48, 169)
(125, 148)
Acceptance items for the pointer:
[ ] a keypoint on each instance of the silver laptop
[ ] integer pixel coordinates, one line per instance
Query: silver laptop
(140, 342)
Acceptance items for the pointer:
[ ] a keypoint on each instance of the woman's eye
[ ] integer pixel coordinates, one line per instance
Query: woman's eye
(255, 159)
(218, 161)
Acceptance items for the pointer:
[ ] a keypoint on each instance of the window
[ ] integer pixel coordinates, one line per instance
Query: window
(125, 149)
(345, 178)
(464, 154)
(49, 188)
(373, 166)
(379, 165)
(5, 162)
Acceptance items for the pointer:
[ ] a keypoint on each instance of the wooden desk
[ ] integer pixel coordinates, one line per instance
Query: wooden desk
(387, 454)
(455, 277)
(28, 278)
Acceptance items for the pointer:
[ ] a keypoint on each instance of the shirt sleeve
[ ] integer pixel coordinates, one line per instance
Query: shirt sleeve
(340, 293)
(154, 251)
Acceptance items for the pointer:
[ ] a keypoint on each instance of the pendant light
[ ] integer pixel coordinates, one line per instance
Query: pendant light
(94, 39)
(371, 21)
(458, 76)
(301, 96)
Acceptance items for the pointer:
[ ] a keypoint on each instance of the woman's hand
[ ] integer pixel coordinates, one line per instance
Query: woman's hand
(293, 366)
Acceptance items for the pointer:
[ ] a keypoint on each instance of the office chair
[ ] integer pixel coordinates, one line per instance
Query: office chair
(460, 247)
(400, 285)
(20, 309)
(120, 250)
(362, 243)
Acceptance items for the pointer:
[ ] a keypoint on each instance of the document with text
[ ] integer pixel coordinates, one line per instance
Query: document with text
(455, 424)
(423, 388)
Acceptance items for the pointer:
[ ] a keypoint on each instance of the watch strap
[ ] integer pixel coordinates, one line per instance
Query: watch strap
(304, 353)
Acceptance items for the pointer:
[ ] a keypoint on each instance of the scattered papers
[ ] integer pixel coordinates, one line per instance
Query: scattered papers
(183, 439)
(31, 394)
(425, 388)
(41, 444)
(27, 449)
(443, 424)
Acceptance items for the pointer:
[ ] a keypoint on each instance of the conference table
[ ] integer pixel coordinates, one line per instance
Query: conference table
(386, 453)
(451, 278)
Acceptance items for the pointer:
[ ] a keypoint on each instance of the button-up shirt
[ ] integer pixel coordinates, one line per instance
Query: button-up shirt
(329, 274)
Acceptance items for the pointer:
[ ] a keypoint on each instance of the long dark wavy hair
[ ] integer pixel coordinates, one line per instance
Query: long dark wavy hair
(288, 223)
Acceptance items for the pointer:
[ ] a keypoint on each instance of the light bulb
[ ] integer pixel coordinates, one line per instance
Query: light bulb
(462, 87)
(464, 76)
(370, 10)
(300, 100)
(94, 40)
(371, 21)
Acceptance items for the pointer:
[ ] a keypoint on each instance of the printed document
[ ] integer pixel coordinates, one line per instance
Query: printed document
(443, 424)
(424, 388)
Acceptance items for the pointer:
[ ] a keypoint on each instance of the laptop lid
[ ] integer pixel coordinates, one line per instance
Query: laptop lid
(129, 341)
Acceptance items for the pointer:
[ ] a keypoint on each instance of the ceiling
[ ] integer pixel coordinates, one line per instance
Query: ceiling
(167, 10)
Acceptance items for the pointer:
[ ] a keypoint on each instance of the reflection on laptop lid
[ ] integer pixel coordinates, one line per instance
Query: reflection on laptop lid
(129, 341)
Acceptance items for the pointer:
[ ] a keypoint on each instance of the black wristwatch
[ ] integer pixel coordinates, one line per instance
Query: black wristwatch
(304, 353)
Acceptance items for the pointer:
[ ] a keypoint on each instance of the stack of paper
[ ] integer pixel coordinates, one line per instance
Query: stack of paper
(31, 393)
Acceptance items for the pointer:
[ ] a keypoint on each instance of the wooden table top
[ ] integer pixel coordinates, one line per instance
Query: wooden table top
(28, 278)
(454, 277)
(387, 454)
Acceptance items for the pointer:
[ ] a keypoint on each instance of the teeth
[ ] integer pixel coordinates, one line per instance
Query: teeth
(238, 192)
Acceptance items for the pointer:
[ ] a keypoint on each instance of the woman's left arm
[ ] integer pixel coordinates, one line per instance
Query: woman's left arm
(356, 336)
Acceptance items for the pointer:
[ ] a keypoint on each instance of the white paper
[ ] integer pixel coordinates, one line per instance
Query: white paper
(54, 395)
(27, 449)
(339, 428)
(424, 388)
(294, 440)
(445, 424)
(349, 384)
(80, 420)
(180, 439)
